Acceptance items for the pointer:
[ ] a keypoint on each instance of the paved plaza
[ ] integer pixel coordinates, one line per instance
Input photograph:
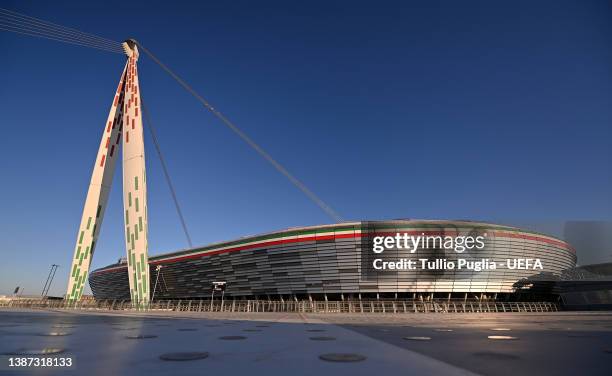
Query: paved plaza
(109, 343)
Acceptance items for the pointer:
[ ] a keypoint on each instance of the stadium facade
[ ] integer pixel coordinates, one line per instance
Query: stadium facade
(335, 262)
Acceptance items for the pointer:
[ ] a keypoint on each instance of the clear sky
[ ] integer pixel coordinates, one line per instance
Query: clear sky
(495, 110)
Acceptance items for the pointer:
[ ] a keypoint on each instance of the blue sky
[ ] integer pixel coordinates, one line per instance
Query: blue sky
(483, 110)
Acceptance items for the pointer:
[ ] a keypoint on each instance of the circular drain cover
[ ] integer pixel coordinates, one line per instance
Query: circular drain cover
(182, 356)
(323, 338)
(502, 337)
(315, 330)
(232, 337)
(187, 329)
(342, 357)
(417, 338)
(141, 336)
(55, 334)
(496, 355)
(251, 330)
(45, 351)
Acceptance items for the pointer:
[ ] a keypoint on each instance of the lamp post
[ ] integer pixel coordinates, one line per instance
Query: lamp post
(222, 287)
(217, 286)
(158, 269)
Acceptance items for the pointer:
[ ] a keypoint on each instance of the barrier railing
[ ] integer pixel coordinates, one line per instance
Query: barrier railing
(301, 306)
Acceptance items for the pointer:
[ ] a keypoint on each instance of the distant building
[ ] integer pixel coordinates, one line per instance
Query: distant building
(593, 239)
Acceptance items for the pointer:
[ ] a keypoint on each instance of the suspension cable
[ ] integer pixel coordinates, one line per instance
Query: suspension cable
(27, 22)
(57, 39)
(314, 198)
(22, 24)
(151, 128)
(16, 17)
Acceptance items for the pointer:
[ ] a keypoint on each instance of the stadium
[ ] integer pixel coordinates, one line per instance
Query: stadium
(335, 262)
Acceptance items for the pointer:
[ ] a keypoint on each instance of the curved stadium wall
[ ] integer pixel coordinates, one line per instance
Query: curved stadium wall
(330, 260)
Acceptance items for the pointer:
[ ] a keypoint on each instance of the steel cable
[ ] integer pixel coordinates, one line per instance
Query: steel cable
(58, 39)
(151, 128)
(26, 25)
(56, 34)
(314, 198)
(25, 20)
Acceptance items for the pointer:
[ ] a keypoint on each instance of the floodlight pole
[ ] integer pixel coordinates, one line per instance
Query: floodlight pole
(52, 276)
(42, 294)
(49, 280)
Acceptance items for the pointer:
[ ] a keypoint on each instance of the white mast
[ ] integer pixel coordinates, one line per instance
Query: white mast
(124, 122)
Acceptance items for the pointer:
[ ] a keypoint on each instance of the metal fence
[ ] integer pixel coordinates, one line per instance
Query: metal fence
(304, 306)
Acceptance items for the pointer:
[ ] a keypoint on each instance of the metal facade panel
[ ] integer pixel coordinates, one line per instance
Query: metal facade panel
(334, 267)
